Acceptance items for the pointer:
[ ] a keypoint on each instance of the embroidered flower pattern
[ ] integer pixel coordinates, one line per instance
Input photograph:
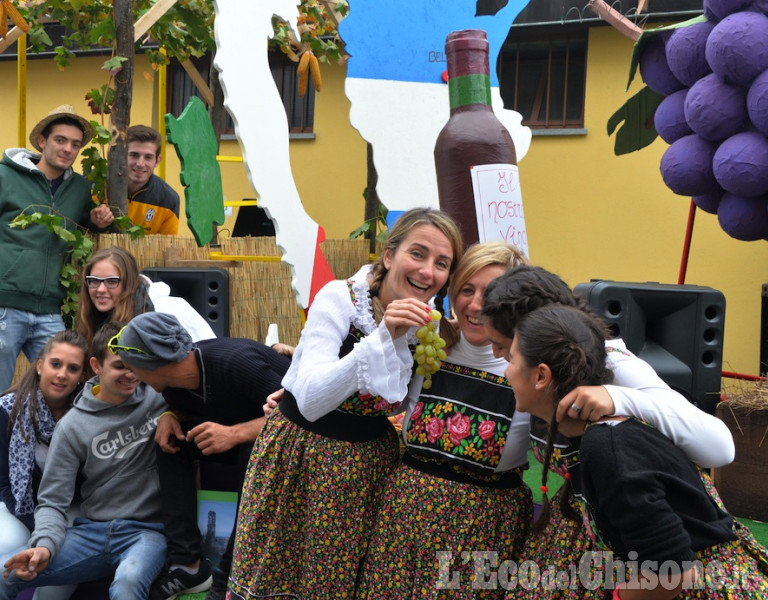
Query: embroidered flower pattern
(466, 432)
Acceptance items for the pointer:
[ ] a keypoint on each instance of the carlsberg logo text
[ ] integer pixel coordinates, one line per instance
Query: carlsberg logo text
(115, 444)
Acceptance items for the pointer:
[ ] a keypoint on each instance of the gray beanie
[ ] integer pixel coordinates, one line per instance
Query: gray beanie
(158, 339)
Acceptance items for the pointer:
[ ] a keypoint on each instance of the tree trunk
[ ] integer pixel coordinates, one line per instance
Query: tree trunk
(371, 200)
(120, 118)
(217, 115)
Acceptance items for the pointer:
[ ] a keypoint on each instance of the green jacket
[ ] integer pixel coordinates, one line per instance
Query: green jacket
(31, 259)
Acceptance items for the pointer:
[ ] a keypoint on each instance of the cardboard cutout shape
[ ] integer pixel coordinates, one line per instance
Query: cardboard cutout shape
(242, 28)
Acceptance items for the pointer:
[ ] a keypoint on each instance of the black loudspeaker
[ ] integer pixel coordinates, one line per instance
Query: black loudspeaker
(253, 220)
(677, 329)
(207, 290)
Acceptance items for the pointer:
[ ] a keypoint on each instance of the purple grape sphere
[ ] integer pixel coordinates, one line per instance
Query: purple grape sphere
(740, 164)
(715, 110)
(745, 219)
(669, 118)
(686, 166)
(737, 48)
(757, 102)
(654, 68)
(716, 10)
(710, 201)
(686, 52)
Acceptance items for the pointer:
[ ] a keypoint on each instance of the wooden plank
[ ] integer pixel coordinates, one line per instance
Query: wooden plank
(331, 11)
(151, 17)
(199, 82)
(13, 35)
(204, 264)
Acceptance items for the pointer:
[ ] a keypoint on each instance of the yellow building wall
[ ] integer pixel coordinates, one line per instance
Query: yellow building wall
(593, 215)
(589, 213)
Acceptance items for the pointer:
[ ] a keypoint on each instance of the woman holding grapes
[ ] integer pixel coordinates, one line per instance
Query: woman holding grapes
(316, 472)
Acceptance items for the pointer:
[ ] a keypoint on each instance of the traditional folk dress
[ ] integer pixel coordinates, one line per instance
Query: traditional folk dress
(316, 473)
(457, 501)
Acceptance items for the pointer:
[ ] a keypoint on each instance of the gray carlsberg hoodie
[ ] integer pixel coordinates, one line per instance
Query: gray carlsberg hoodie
(113, 449)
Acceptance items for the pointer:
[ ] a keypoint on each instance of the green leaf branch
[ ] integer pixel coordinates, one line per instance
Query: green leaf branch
(80, 246)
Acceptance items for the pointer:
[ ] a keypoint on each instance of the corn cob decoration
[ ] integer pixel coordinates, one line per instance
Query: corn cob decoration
(302, 72)
(308, 63)
(314, 68)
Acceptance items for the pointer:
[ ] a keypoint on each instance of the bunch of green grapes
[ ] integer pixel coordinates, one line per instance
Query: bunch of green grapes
(429, 352)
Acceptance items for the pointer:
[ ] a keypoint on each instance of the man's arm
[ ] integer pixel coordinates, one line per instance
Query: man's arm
(213, 438)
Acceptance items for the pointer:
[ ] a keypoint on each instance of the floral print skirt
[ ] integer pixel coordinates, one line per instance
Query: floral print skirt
(557, 565)
(444, 539)
(549, 563)
(306, 513)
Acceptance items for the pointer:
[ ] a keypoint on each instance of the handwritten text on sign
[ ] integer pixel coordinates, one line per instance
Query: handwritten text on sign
(499, 205)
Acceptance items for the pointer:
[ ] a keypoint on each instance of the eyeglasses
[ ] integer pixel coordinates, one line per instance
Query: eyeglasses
(114, 345)
(94, 282)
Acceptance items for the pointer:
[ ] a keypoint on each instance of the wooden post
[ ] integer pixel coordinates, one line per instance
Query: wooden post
(371, 199)
(120, 118)
(216, 113)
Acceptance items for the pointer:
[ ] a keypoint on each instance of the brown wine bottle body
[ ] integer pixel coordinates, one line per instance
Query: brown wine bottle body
(472, 136)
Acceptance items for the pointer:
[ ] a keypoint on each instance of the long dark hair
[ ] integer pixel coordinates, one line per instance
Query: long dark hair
(27, 387)
(571, 343)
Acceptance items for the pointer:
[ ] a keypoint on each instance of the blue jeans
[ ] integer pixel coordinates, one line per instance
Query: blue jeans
(131, 552)
(22, 331)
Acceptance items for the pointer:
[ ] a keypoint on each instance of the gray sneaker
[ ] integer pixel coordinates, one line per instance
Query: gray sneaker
(177, 581)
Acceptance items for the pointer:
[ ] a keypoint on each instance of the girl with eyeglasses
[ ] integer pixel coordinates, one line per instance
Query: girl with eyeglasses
(114, 290)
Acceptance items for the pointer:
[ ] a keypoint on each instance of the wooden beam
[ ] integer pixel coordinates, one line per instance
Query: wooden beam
(199, 82)
(151, 17)
(335, 17)
(615, 19)
(13, 35)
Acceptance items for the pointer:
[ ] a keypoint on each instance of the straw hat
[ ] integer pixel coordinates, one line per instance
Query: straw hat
(65, 110)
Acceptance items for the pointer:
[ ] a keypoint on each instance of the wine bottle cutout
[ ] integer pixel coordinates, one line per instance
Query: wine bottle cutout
(473, 135)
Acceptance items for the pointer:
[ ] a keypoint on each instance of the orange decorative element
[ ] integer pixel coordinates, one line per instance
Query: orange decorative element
(9, 11)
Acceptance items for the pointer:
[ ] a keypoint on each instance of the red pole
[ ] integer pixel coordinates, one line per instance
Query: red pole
(687, 243)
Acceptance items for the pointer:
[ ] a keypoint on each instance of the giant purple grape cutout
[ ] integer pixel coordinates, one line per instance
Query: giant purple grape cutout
(745, 219)
(669, 118)
(723, 164)
(737, 48)
(740, 164)
(715, 110)
(686, 52)
(757, 102)
(686, 166)
(654, 68)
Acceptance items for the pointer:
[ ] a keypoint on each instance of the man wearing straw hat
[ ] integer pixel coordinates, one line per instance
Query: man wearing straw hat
(216, 389)
(31, 259)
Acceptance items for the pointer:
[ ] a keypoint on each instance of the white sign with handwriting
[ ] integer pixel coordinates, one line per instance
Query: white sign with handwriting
(499, 205)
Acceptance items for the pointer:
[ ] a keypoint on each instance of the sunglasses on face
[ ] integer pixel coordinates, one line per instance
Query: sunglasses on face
(94, 282)
(114, 345)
